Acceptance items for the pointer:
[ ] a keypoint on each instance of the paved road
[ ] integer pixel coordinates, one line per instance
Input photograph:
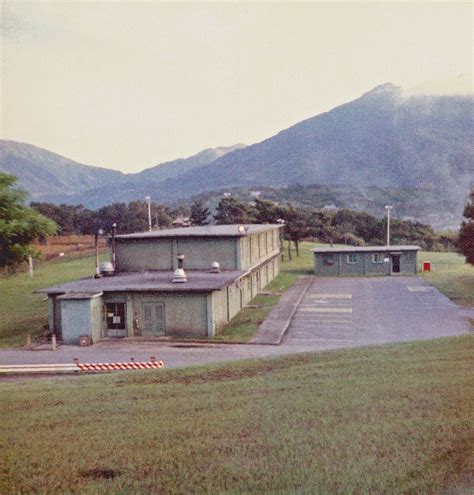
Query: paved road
(334, 313)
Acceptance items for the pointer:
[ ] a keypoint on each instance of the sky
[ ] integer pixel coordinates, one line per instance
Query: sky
(128, 85)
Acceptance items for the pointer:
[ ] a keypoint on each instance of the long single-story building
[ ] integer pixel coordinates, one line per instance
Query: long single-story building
(179, 282)
(353, 261)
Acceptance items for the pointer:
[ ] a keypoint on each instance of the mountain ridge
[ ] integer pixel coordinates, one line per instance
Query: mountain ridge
(384, 138)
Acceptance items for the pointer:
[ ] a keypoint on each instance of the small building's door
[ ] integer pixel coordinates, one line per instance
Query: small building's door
(115, 316)
(395, 263)
(153, 318)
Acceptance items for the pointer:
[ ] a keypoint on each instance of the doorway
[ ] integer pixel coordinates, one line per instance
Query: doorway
(153, 319)
(395, 263)
(115, 312)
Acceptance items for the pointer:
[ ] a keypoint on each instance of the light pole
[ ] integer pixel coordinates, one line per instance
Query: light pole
(148, 199)
(388, 208)
(96, 242)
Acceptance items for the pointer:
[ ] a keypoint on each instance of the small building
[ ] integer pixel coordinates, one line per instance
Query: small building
(185, 282)
(353, 261)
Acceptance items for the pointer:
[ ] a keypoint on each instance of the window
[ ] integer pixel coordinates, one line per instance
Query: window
(377, 258)
(328, 259)
(352, 258)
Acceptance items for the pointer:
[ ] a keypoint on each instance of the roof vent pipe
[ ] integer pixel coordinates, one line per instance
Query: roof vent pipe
(215, 267)
(179, 275)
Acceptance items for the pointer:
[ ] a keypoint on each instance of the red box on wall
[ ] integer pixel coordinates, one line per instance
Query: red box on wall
(426, 266)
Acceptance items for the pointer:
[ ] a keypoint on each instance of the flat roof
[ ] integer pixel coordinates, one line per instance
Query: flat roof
(157, 281)
(205, 231)
(359, 249)
(80, 295)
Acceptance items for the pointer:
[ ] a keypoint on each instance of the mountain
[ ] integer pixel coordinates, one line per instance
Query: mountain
(387, 138)
(175, 168)
(52, 178)
(383, 139)
(45, 174)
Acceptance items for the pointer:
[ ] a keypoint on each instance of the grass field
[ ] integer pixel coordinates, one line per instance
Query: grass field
(392, 419)
(22, 312)
(451, 276)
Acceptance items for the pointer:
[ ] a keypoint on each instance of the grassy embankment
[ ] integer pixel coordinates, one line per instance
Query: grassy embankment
(392, 419)
(451, 276)
(22, 312)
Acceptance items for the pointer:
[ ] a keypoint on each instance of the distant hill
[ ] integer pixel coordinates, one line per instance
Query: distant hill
(52, 178)
(45, 174)
(175, 168)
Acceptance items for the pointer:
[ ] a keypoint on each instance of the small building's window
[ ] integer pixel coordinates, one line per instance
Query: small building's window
(328, 259)
(352, 258)
(377, 258)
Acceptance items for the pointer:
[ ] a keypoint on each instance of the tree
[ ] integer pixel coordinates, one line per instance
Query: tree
(230, 211)
(67, 217)
(266, 211)
(296, 226)
(199, 213)
(466, 234)
(20, 226)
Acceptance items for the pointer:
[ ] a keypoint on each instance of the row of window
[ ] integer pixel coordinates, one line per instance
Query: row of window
(353, 258)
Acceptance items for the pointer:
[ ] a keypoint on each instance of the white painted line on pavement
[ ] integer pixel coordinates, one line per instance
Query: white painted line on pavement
(326, 310)
(325, 295)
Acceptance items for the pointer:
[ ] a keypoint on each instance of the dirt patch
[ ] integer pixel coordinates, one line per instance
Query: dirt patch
(100, 474)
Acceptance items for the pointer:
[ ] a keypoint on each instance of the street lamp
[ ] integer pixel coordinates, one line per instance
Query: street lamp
(388, 208)
(148, 199)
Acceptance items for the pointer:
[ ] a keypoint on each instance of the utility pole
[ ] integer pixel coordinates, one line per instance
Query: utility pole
(96, 242)
(114, 231)
(388, 208)
(148, 199)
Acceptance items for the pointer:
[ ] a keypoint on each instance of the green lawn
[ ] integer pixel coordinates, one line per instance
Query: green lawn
(21, 311)
(392, 419)
(451, 275)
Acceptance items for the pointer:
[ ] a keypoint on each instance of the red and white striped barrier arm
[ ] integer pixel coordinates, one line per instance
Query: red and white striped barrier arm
(132, 365)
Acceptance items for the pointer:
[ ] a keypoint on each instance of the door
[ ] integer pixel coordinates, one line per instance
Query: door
(153, 318)
(115, 313)
(395, 263)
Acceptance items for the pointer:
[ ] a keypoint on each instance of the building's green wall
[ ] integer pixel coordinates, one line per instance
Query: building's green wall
(76, 319)
(96, 318)
(365, 265)
(228, 302)
(256, 248)
(185, 313)
(200, 253)
(233, 253)
(146, 254)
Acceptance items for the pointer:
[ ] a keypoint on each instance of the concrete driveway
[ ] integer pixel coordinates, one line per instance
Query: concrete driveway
(333, 313)
(351, 312)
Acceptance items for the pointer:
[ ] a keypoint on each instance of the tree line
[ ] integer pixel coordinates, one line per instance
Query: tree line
(20, 225)
(342, 226)
(129, 217)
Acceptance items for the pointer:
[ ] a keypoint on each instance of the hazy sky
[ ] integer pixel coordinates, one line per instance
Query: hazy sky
(127, 85)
